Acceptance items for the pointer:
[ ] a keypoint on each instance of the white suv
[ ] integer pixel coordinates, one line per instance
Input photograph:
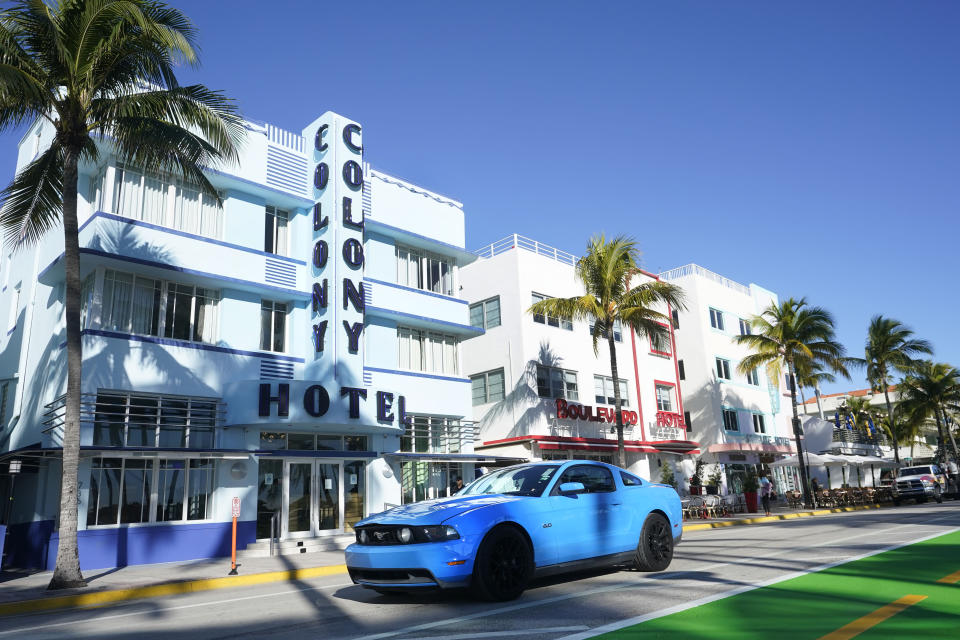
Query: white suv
(920, 483)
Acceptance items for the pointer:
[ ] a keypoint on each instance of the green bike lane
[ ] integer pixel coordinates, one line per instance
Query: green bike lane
(868, 598)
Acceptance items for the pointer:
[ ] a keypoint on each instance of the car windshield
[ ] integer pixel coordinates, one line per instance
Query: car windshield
(913, 471)
(528, 480)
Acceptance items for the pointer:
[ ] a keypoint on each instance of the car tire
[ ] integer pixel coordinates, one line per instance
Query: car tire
(503, 566)
(655, 548)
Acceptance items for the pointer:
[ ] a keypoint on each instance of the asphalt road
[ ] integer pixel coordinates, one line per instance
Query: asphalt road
(708, 565)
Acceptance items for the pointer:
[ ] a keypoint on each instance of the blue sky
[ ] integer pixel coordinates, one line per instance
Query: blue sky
(812, 148)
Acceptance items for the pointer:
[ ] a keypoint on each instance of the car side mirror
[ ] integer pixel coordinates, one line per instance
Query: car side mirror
(572, 487)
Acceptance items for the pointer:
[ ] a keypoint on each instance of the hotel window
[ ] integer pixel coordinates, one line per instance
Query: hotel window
(603, 391)
(3, 404)
(191, 312)
(147, 197)
(617, 330)
(664, 397)
(716, 319)
(86, 298)
(133, 304)
(744, 327)
(758, 424)
(427, 351)
(723, 369)
(276, 225)
(660, 343)
(121, 490)
(556, 383)
(730, 422)
(141, 420)
(14, 308)
(486, 314)
(434, 434)
(680, 370)
(753, 378)
(273, 323)
(676, 318)
(553, 322)
(422, 270)
(487, 387)
(686, 420)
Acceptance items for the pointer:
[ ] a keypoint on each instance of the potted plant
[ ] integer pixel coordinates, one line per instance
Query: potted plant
(696, 480)
(666, 474)
(750, 485)
(713, 483)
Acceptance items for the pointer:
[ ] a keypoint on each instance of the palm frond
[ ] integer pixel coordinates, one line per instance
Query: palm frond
(33, 201)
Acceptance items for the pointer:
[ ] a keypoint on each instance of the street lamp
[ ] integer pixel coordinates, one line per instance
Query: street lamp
(14, 469)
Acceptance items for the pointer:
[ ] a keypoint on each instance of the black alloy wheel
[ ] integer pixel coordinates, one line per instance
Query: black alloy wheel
(503, 565)
(655, 549)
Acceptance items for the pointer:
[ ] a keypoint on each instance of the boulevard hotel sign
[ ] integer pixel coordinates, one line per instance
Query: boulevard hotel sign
(337, 293)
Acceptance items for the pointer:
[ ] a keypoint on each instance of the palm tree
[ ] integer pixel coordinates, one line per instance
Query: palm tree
(810, 377)
(931, 390)
(858, 408)
(890, 349)
(798, 337)
(606, 272)
(101, 72)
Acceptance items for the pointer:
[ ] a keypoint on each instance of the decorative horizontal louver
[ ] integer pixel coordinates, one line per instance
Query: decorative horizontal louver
(367, 294)
(367, 199)
(280, 273)
(287, 171)
(367, 378)
(276, 370)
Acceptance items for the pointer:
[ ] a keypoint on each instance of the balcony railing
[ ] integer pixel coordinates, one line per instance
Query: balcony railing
(438, 437)
(520, 242)
(857, 436)
(695, 269)
(601, 431)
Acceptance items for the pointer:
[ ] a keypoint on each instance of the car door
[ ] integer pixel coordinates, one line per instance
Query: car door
(584, 523)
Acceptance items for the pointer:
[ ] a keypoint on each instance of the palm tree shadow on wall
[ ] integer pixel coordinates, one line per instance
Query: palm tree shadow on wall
(522, 405)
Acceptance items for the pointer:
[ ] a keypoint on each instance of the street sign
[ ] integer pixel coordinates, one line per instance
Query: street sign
(236, 507)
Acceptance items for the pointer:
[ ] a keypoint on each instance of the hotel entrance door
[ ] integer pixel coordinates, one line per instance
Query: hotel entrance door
(309, 497)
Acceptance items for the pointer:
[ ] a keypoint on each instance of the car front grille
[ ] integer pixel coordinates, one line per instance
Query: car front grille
(910, 485)
(391, 576)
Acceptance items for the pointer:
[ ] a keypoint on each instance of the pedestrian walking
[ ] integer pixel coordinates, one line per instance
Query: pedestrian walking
(767, 491)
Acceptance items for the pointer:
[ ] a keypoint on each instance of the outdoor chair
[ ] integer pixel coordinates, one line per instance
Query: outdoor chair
(695, 508)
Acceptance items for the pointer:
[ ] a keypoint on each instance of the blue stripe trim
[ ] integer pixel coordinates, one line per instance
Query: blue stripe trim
(148, 225)
(279, 367)
(14, 329)
(284, 181)
(414, 290)
(277, 272)
(291, 167)
(416, 374)
(280, 268)
(276, 151)
(170, 267)
(464, 327)
(189, 345)
(279, 278)
(278, 175)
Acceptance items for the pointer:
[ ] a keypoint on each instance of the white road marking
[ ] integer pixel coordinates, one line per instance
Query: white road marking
(646, 582)
(509, 634)
(620, 624)
(98, 619)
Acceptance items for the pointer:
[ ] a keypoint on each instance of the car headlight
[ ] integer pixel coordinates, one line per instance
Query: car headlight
(927, 483)
(439, 533)
(362, 537)
(405, 535)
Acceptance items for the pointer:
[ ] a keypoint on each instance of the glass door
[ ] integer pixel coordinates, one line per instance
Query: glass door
(328, 498)
(269, 496)
(299, 502)
(354, 493)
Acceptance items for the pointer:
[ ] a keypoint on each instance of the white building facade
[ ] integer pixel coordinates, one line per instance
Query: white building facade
(740, 420)
(538, 389)
(298, 349)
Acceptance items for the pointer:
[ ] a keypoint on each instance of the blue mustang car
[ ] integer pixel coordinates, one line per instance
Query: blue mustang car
(517, 523)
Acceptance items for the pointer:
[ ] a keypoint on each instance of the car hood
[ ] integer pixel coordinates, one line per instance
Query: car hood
(436, 511)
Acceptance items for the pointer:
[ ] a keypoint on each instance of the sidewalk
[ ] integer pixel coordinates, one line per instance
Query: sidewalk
(26, 592)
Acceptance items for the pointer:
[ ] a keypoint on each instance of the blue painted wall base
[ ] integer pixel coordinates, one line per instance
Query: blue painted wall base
(34, 545)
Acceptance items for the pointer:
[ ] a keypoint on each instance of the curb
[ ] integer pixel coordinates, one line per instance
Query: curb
(209, 584)
(165, 589)
(785, 516)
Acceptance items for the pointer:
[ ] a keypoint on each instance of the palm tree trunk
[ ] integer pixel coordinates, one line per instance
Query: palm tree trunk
(807, 498)
(953, 442)
(893, 427)
(621, 451)
(941, 442)
(803, 401)
(67, 572)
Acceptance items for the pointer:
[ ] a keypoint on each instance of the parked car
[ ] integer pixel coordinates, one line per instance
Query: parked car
(517, 523)
(920, 483)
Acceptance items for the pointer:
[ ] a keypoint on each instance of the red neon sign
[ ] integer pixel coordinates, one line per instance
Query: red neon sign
(593, 414)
